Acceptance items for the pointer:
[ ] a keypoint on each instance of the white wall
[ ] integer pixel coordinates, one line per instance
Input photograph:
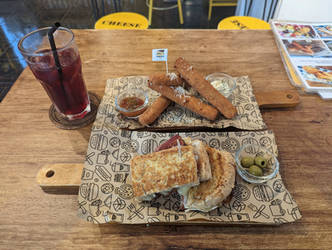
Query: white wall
(304, 10)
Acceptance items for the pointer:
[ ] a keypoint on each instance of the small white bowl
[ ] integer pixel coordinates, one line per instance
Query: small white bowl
(225, 84)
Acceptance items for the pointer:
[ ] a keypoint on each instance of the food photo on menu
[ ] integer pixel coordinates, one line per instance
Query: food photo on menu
(306, 48)
(324, 31)
(317, 76)
(288, 30)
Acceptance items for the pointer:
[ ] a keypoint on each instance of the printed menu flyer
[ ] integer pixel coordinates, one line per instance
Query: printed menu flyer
(308, 49)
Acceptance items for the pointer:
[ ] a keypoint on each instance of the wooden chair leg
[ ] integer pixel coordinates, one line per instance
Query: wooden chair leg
(150, 12)
(180, 11)
(210, 9)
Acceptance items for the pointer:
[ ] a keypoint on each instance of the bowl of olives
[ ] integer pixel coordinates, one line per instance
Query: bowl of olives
(256, 164)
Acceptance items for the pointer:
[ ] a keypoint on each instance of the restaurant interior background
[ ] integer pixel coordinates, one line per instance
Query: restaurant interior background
(19, 17)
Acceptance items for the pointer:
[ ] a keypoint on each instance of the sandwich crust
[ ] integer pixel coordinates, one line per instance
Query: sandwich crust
(210, 194)
(163, 170)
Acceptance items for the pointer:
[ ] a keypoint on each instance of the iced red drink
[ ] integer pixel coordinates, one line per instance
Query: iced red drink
(66, 89)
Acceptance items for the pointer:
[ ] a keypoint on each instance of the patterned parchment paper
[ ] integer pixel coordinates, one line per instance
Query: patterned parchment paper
(248, 118)
(106, 194)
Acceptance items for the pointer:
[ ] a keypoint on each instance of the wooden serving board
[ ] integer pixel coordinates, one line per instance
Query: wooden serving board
(66, 178)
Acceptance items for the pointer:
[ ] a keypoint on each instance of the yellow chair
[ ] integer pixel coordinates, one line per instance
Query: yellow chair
(220, 3)
(242, 23)
(151, 8)
(122, 20)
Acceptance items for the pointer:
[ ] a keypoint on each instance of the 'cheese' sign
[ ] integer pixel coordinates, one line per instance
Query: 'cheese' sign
(122, 20)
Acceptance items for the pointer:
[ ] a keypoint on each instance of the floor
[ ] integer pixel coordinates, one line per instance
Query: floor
(19, 17)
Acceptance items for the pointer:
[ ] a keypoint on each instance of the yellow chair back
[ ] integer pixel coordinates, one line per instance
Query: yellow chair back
(122, 20)
(242, 23)
(220, 3)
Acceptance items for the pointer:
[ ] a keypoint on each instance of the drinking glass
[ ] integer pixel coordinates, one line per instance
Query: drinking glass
(64, 86)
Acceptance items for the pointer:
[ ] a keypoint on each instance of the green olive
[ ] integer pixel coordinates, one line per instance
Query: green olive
(255, 170)
(247, 161)
(260, 161)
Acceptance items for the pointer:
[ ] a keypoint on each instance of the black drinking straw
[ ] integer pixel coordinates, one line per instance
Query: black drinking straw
(55, 54)
(52, 43)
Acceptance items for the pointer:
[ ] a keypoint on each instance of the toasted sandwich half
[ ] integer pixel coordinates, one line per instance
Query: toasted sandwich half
(202, 158)
(209, 194)
(162, 171)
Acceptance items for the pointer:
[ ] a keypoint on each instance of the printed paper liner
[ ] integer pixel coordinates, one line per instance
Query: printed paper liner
(106, 195)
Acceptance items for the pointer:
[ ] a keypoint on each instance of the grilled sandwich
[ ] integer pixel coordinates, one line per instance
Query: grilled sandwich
(160, 172)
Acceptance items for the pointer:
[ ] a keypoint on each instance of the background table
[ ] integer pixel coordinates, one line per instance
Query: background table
(33, 219)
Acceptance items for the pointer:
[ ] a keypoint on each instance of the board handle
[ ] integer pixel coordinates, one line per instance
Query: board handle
(278, 99)
(60, 178)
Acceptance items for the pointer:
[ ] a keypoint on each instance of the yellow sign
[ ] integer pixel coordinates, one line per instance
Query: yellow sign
(122, 20)
(242, 23)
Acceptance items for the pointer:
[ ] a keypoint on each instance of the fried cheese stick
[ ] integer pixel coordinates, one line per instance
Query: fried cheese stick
(179, 96)
(197, 81)
(154, 111)
(170, 79)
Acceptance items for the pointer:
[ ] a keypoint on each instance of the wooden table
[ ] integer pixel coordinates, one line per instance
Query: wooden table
(33, 219)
